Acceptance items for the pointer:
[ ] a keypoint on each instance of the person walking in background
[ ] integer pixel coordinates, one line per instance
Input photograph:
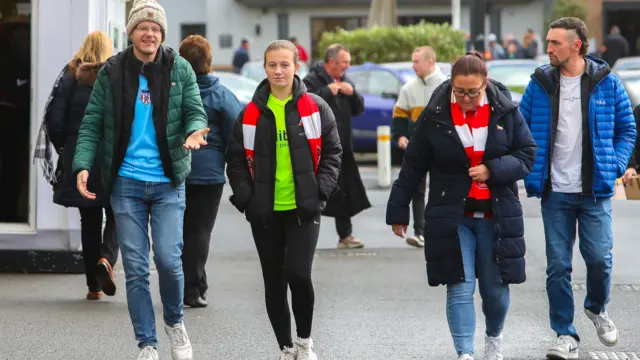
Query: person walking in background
(530, 45)
(615, 47)
(145, 109)
(329, 81)
(206, 180)
(584, 153)
(302, 52)
(283, 163)
(240, 56)
(413, 97)
(476, 146)
(63, 118)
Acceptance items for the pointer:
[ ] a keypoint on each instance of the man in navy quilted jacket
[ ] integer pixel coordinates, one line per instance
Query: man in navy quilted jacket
(580, 116)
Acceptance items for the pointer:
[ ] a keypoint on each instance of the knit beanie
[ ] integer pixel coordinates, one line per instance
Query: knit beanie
(147, 10)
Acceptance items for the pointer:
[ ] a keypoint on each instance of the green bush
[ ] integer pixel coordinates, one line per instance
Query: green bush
(566, 8)
(381, 45)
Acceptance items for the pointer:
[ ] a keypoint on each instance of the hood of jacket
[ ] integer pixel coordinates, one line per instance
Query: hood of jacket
(549, 76)
(319, 71)
(261, 96)
(207, 84)
(87, 74)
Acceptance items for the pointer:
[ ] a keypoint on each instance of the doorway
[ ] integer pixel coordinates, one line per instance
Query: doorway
(15, 110)
(625, 15)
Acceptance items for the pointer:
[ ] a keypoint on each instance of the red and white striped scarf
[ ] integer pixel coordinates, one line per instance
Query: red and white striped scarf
(473, 128)
(309, 119)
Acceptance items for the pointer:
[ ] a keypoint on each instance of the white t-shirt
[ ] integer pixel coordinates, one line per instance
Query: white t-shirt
(566, 165)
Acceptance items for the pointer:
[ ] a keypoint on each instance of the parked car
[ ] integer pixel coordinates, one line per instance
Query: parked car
(631, 81)
(514, 74)
(242, 87)
(627, 63)
(380, 85)
(255, 70)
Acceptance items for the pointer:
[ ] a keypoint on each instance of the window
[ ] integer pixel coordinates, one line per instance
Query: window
(283, 26)
(193, 29)
(360, 79)
(382, 81)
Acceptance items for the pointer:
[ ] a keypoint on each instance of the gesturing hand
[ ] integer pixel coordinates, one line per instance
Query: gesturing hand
(480, 173)
(195, 140)
(346, 88)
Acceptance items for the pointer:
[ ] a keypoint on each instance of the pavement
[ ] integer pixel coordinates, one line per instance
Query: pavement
(371, 304)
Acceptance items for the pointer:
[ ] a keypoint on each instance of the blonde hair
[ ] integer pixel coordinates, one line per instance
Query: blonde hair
(280, 45)
(427, 52)
(96, 48)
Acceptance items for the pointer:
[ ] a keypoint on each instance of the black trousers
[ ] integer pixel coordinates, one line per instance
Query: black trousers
(202, 202)
(286, 247)
(96, 243)
(417, 205)
(344, 227)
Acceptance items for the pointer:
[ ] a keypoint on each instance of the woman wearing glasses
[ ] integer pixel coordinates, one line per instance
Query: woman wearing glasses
(476, 146)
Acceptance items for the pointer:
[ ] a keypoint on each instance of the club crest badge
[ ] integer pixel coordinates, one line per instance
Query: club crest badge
(145, 97)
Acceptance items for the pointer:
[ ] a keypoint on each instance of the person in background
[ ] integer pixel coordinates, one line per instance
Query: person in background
(493, 51)
(413, 97)
(328, 80)
(206, 180)
(615, 47)
(302, 52)
(70, 99)
(513, 52)
(481, 236)
(584, 153)
(530, 45)
(283, 165)
(241, 56)
(145, 109)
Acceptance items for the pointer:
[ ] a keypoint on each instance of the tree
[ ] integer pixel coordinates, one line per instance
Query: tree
(383, 13)
(569, 8)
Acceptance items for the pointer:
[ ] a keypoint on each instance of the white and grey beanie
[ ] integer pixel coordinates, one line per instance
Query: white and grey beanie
(147, 10)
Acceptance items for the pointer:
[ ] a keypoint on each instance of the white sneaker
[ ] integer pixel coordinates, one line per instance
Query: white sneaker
(180, 344)
(305, 349)
(566, 347)
(148, 353)
(465, 357)
(416, 241)
(493, 348)
(288, 354)
(607, 331)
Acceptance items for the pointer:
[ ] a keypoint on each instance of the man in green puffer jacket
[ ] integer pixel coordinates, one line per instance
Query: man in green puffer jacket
(145, 111)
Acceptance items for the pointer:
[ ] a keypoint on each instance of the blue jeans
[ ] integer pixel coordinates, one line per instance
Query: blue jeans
(560, 212)
(477, 237)
(134, 204)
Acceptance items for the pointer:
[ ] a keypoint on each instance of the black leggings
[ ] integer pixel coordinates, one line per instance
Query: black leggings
(286, 247)
(96, 243)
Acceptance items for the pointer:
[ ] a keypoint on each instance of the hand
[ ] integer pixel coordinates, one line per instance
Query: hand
(346, 88)
(403, 142)
(334, 87)
(81, 184)
(479, 173)
(399, 230)
(195, 140)
(626, 178)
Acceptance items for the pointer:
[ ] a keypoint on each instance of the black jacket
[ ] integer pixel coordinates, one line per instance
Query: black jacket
(255, 197)
(635, 155)
(351, 197)
(437, 149)
(67, 110)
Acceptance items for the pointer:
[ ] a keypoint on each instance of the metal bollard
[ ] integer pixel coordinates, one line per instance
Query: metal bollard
(384, 156)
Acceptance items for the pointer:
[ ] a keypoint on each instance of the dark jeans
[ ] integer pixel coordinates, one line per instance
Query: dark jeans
(343, 227)
(417, 205)
(199, 217)
(95, 243)
(560, 213)
(286, 248)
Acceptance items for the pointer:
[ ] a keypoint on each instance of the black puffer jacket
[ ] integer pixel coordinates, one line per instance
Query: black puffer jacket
(255, 198)
(437, 149)
(67, 110)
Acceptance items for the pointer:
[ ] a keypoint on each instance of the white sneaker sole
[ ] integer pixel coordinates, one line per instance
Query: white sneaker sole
(603, 341)
(557, 355)
(415, 242)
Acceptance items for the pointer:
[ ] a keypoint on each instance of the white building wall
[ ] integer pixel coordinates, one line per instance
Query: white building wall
(230, 17)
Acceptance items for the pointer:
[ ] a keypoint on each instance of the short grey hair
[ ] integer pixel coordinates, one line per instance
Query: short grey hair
(333, 50)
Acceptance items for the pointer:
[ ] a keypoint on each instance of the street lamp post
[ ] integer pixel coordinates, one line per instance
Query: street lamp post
(455, 14)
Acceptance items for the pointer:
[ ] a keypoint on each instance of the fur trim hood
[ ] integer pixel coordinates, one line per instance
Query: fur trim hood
(87, 74)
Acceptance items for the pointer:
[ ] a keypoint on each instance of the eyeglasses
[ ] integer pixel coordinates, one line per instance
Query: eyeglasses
(473, 93)
(145, 29)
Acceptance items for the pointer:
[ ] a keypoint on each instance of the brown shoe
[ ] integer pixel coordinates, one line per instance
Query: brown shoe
(94, 295)
(350, 243)
(106, 277)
